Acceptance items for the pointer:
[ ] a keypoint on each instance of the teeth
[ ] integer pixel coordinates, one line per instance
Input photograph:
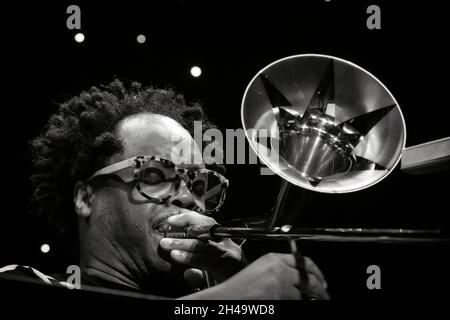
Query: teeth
(164, 227)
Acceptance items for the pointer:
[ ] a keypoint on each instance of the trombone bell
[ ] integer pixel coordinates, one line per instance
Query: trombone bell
(331, 126)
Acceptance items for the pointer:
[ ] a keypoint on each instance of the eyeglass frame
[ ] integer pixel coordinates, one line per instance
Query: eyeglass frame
(138, 161)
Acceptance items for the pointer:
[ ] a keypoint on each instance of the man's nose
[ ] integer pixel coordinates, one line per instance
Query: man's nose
(183, 197)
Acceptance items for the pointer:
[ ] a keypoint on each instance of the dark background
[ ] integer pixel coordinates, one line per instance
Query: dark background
(231, 42)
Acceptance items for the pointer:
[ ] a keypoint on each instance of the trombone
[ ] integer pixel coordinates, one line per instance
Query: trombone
(335, 128)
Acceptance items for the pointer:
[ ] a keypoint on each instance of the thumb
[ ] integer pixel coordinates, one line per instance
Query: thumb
(194, 277)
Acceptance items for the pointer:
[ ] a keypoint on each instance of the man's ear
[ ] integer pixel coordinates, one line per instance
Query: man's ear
(82, 197)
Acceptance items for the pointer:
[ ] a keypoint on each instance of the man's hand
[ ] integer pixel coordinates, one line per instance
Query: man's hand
(274, 276)
(221, 259)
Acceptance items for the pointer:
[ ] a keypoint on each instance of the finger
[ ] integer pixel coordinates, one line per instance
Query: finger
(188, 218)
(291, 293)
(288, 259)
(312, 268)
(291, 289)
(226, 245)
(315, 289)
(197, 260)
(194, 277)
(294, 275)
(291, 261)
(190, 245)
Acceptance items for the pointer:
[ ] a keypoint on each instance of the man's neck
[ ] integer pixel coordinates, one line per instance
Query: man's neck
(156, 284)
(108, 272)
(101, 258)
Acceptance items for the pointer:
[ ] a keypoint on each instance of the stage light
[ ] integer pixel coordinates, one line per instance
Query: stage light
(79, 37)
(140, 38)
(45, 248)
(196, 71)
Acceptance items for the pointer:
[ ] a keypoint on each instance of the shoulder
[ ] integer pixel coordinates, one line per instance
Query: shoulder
(21, 272)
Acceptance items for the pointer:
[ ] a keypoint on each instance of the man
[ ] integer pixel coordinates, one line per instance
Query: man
(107, 154)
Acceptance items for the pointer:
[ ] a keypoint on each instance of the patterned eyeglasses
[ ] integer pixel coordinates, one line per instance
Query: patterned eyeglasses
(158, 179)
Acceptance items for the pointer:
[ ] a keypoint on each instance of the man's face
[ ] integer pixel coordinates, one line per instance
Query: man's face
(122, 215)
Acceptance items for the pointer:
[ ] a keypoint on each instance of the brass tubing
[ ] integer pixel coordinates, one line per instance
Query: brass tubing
(217, 232)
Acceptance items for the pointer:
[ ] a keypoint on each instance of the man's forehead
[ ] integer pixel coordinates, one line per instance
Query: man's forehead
(157, 135)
